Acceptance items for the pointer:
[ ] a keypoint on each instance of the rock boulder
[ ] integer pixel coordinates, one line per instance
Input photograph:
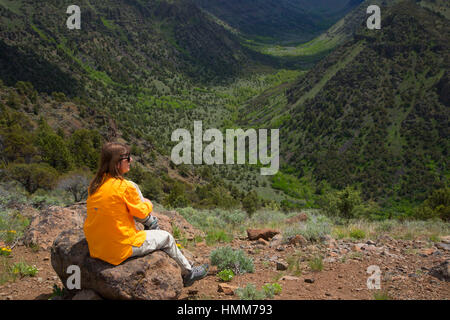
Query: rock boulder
(266, 234)
(49, 223)
(442, 271)
(153, 277)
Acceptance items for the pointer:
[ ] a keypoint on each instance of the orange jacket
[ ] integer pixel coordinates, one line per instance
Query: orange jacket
(110, 228)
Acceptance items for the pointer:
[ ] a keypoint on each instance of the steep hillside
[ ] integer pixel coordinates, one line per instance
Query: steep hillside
(120, 43)
(375, 113)
(279, 21)
(140, 63)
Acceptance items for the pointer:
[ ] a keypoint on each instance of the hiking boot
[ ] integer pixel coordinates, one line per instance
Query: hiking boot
(196, 273)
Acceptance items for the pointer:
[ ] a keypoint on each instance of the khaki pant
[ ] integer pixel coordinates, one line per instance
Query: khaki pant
(162, 240)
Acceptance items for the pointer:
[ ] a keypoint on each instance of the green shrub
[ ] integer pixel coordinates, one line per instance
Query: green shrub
(85, 147)
(226, 275)
(385, 226)
(176, 232)
(22, 269)
(271, 289)
(356, 233)
(294, 265)
(227, 258)
(5, 251)
(57, 292)
(53, 148)
(211, 220)
(215, 236)
(291, 205)
(314, 229)
(437, 205)
(250, 293)
(268, 216)
(343, 203)
(251, 203)
(17, 143)
(152, 188)
(177, 197)
(33, 176)
(381, 295)
(12, 225)
(316, 264)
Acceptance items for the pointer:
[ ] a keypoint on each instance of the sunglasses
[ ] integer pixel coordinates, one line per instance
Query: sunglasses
(125, 157)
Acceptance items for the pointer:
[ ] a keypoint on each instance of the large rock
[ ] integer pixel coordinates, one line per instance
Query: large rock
(266, 234)
(441, 271)
(298, 240)
(49, 223)
(153, 277)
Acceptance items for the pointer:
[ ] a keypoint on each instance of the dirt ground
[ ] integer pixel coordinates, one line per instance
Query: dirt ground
(405, 272)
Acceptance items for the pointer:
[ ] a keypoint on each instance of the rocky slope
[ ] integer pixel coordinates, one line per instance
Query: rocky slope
(120, 43)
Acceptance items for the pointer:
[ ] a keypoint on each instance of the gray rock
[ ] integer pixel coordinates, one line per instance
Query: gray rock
(276, 241)
(273, 258)
(87, 295)
(46, 226)
(152, 277)
(309, 280)
(289, 278)
(281, 265)
(443, 246)
(441, 271)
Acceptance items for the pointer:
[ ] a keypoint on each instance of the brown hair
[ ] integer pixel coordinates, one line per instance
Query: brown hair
(110, 157)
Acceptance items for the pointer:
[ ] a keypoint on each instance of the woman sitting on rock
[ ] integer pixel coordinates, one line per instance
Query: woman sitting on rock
(113, 205)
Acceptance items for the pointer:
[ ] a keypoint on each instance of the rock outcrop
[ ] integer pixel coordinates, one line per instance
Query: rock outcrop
(266, 234)
(48, 224)
(442, 271)
(153, 277)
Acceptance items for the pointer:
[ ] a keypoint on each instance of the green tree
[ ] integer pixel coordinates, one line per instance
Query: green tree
(16, 137)
(177, 197)
(33, 176)
(250, 203)
(152, 188)
(16, 144)
(437, 205)
(343, 203)
(85, 147)
(53, 148)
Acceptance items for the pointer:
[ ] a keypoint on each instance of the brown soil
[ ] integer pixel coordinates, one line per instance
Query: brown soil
(403, 275)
